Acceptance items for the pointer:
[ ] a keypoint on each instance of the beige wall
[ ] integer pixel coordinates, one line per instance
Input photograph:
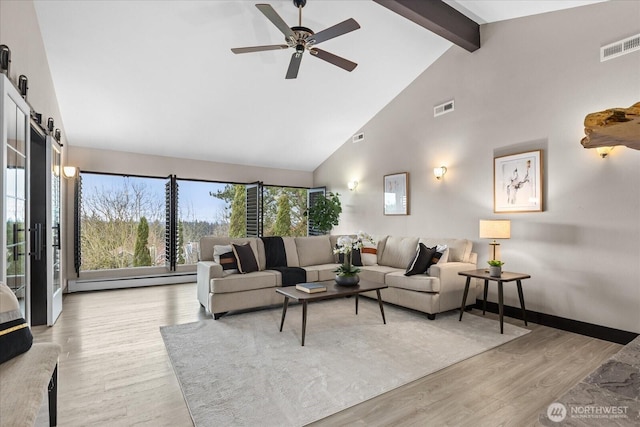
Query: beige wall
(528, 87)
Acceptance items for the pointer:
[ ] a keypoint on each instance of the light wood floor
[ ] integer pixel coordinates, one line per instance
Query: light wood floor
(114, 370)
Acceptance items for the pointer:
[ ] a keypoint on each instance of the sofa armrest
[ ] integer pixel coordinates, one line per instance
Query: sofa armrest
(210, 269)
(452, 284)
(206, 270)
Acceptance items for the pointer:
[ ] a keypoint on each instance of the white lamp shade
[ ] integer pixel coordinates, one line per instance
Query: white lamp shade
(495, 229)
(69, 171)
(439, 172)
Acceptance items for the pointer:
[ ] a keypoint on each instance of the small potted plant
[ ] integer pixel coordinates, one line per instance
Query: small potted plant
(495, 267)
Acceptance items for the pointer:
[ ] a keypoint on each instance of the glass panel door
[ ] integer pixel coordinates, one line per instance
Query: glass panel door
(13, 153)
(54, 287)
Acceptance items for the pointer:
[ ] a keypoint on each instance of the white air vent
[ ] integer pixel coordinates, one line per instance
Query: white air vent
(358, 137)
(619, 48)
(441, 109)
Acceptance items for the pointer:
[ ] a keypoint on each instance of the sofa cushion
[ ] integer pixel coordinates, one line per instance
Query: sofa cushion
(398, 251)
(322, 272)
(15, 335)
(246, 259)
(377, 273)
(459, 249)
(245, 282)
(314, 250)
(422, 260)
(418, 282)
(291, 251)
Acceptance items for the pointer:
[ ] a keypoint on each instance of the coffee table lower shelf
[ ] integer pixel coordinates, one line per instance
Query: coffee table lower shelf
(333, 291)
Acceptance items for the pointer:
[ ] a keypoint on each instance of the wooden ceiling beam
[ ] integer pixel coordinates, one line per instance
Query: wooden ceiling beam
(439, 18)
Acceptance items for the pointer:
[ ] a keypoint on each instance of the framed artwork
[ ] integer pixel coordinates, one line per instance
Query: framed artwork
(396, 194)
(517, 182)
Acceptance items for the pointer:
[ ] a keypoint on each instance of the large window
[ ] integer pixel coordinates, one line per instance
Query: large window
(205, 209)
(125, 221)
(122, 222)
(283, 211)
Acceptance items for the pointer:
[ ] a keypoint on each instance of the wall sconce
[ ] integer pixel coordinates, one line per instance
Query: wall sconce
(604, 151)
(50, 124)
(57, 134)
(352, 185)
(439, 172)
(69, 171)
(495, 229)
(23, 85)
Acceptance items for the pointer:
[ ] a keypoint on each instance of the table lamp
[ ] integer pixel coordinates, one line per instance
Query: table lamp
(495, 229)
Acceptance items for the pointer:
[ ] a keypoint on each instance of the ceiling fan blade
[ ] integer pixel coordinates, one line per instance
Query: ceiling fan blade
(335, 31)
(294, 65)
(273, 16)
(259, 48)
(345, 64)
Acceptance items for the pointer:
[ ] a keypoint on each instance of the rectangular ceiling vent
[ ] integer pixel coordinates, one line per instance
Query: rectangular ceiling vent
(358, 137)
(441, 109)
(619, 48)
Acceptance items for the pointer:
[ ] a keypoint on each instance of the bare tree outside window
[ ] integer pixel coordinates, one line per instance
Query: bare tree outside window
(111, 209)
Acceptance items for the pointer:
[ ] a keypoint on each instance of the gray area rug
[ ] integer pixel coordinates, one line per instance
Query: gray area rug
(240, 371)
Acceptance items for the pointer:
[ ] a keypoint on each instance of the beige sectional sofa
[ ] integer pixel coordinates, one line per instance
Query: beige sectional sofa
(439, 290)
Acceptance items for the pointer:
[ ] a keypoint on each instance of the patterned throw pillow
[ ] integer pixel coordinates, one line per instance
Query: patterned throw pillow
(421, 261)
(15, 335)
(369, 253)
(223, 255)
(246, 259)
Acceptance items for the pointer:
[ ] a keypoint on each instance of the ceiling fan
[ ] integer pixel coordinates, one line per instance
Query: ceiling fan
(302, 38)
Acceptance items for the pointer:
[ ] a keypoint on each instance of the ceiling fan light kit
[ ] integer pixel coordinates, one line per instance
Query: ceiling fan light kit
(302, 38)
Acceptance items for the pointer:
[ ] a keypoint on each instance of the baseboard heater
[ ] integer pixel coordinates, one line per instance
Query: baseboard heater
(80, 285)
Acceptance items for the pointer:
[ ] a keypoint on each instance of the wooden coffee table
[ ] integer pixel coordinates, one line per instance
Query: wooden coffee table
(333, 291)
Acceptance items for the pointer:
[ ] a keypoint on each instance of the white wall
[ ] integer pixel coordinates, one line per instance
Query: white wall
(528, 87)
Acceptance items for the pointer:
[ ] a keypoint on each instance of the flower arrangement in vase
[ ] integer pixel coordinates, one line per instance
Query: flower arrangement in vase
(347, 273)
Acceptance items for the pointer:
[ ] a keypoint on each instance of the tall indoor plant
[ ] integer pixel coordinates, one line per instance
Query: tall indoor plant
(324, 212)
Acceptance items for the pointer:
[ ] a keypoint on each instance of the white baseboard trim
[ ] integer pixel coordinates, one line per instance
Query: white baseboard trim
(81, 285)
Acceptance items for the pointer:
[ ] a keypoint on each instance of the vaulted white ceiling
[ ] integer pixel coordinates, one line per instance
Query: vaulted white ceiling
(158, 77)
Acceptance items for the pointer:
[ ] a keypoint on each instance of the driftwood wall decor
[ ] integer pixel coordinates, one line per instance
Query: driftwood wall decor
(616, 126)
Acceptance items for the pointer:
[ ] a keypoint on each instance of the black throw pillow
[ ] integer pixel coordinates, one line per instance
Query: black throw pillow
(421, 261)
(246, 259)
(356, 257)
